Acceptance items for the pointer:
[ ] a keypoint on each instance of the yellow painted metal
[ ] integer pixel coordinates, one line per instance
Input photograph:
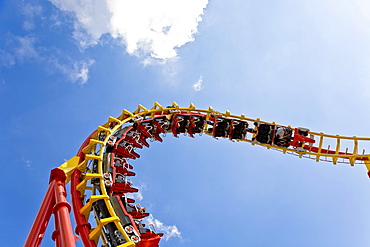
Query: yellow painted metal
(367, 164)
(82, 185)
(94, 151)
(191, 107)
(85, 210)
(140, 108)
(337, 148)
(355, 151)
(96, 232)
(92, 157)
(156, 106)
(144, 111)
(69, 166)
(111, 120)
(100, 131)
(124, 113)
(320, 148)
(128, 244)
(91, 144)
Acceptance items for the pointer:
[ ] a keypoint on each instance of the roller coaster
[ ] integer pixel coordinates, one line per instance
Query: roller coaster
(100, 173)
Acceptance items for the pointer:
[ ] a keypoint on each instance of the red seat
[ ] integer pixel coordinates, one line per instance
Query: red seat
(143, 130)
(137, 214)
(123, 188)
(174, 125)
(124, 171)
(149, 242)
(133, 141)
(127, 152)
(143, 141)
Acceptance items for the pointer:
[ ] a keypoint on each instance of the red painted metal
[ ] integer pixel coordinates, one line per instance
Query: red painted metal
(54, 202)
(62, 209)
(42, 219)
(133, 141)
(298, 139)
(142, 140)
(149, 239)
(143, 130)
(82, 226)
(56, 234)
(55, 198)
(127, 152)
(174, 125)
(326, 151)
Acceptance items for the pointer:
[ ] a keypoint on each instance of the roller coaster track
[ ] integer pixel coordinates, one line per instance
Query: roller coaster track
(100, 173)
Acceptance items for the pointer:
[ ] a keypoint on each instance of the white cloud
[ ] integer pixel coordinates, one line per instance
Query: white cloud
(82, 71)
(168, 231)
(147, 28)
(30, 12)
(22, 49)
(76, 71)
(198, 85)
(138, 196)
(27, 163)
(18, 49)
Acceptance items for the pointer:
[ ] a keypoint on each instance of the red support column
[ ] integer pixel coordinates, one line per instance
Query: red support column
(38, 228)
(62, 209)
(56, 234)
(54, 202)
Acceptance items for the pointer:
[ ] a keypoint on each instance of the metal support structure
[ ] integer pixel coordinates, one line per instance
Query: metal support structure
(131, 130)
(54, 203)
(83, 227)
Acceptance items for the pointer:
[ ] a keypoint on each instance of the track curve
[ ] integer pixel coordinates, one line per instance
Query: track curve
(101, 184)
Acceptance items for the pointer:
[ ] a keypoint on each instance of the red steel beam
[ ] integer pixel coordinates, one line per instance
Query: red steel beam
(56, 234)
(82, 226)
(38, 228)
(54, 202)
(62, 209)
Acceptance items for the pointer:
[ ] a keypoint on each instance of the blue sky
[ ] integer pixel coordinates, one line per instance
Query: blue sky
(66, 66)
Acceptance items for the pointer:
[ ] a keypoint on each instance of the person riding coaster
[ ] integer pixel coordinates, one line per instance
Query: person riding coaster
(228, 128)
(282, 136)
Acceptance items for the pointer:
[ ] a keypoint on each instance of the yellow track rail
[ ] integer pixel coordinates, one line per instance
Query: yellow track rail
(346, 150)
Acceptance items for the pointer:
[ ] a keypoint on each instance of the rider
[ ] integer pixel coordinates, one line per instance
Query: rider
(280, 132)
